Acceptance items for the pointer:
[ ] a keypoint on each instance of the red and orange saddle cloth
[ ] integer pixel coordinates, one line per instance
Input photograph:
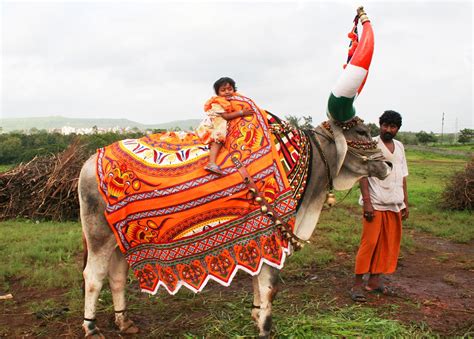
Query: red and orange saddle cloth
(179, 225)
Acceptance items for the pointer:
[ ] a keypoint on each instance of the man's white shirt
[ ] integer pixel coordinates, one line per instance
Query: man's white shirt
(387, 194)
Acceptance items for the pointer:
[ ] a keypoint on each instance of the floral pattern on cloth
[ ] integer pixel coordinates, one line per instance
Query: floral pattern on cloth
(179, 225)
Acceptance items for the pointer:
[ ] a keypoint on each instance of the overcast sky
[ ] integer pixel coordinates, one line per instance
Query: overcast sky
(154, 62)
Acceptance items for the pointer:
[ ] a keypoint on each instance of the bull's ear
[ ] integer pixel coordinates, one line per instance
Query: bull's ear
(341, 147)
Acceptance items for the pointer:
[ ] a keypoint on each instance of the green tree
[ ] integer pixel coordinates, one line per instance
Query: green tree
(10, 148)
(466, 135)
(407, 138)
(300, 122)
(374, 129)
(425, 138)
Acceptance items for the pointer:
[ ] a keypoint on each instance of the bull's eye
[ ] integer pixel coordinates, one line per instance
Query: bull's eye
(362, 133)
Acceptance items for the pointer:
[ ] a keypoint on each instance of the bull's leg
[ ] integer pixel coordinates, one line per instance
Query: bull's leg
(118, 270)
(94, 274)
(99, 243)
(256, 300)
(267, 287)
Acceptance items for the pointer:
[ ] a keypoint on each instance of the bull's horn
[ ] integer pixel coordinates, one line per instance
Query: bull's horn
(350, 83)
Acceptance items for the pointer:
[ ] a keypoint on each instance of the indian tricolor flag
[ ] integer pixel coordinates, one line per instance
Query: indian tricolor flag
(350, 83)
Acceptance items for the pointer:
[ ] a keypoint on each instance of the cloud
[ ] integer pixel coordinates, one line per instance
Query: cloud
(156, 61)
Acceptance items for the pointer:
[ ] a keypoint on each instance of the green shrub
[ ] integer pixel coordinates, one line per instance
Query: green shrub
(459, 192)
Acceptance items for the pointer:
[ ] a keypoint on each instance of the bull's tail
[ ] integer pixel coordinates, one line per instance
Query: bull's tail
(84, 263)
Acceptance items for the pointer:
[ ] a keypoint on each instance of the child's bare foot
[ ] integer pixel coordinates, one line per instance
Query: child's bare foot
(214, 168)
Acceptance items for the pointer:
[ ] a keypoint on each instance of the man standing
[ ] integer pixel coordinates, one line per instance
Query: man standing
(385, 204)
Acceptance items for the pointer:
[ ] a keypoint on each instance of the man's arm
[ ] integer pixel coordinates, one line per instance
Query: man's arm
(368, 208)
(405, 212)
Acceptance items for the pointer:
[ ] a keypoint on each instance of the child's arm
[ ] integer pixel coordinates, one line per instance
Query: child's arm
(234, 115)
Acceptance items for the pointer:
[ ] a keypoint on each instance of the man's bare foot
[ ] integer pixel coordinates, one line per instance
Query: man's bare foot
(382, 289)
(358, 294)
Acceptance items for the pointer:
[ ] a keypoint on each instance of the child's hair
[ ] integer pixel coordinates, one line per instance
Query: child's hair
(224, 81)
(391, 117)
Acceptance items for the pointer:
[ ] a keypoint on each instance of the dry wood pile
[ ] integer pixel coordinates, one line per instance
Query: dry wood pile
(43, 188)
(459, 192)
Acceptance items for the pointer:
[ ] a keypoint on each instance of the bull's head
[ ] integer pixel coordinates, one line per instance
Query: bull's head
(356, 154)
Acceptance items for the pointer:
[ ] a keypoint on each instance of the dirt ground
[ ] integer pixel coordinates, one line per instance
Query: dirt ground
(435, 282)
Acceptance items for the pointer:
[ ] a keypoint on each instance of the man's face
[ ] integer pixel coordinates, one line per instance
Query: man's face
(388, 131)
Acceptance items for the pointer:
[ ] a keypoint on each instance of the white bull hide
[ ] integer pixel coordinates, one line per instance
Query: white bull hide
(105, 259)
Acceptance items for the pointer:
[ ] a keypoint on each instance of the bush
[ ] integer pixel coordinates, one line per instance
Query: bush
(425, 138)
(466, 135)
(459, 192)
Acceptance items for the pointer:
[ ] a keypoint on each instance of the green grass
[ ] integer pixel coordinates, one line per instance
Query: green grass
(41, 254)
(4, 168)
(457, 147)
(46, 256)
(313, 319)
(428, 176)
(413, 154)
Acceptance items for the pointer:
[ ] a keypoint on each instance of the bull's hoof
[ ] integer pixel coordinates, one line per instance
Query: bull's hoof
(93, 333)
(127, 326)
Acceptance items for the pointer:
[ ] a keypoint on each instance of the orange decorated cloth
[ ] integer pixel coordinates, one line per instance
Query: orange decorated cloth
(221, 101)
(214, 127)
(179, 225)
(380, 243)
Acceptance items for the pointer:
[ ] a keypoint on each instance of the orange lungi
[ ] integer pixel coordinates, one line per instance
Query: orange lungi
(380, 243)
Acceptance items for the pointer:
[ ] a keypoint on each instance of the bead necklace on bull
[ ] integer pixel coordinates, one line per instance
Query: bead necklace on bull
(341, 113)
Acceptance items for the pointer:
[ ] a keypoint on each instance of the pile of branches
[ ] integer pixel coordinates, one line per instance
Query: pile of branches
(44, 188)
(459, 192)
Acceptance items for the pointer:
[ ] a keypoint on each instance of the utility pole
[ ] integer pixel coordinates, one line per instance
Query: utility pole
(456, 131)
(442, 128)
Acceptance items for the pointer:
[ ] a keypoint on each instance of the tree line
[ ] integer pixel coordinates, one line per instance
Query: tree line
(17, 147)
(464, 136)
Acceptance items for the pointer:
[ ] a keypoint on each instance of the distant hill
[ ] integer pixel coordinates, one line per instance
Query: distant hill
(25, 124)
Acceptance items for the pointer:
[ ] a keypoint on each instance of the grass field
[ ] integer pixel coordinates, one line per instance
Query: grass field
(49, 261)
(4, 168)
(457, 147)
(29, 250)
(46, 256)
(428, 176)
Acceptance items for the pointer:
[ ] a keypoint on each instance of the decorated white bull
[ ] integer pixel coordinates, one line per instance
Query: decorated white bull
(148, 204)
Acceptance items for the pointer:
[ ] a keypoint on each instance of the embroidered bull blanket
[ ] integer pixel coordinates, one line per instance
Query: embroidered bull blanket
(179, 225)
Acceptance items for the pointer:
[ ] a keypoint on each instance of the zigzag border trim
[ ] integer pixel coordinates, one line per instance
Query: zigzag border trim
(285, 252)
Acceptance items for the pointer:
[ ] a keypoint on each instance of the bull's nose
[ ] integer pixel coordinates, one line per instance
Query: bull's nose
(389, 164)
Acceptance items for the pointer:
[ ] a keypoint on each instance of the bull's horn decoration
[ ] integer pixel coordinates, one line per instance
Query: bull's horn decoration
(350, 83)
